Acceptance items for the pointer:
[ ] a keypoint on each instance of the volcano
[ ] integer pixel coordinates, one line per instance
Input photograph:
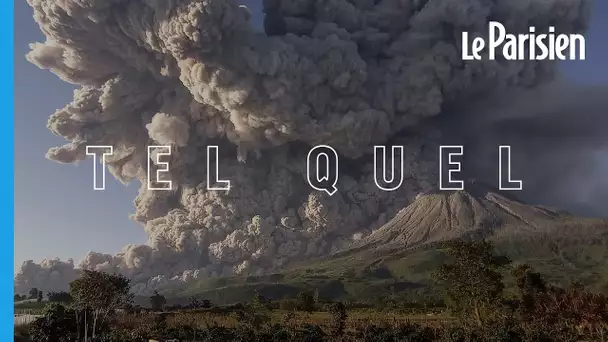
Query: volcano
(443, 215)
(403, 253)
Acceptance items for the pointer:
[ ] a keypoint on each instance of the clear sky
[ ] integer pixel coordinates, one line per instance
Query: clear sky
(57, 212)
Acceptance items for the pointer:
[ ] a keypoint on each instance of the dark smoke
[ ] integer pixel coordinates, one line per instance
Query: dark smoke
(559, 144)
(347, 73)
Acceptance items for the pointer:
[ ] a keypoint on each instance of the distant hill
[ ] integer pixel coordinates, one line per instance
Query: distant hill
(401, 255)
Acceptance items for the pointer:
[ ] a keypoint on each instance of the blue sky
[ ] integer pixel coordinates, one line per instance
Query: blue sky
(44, 190)
(57, 212)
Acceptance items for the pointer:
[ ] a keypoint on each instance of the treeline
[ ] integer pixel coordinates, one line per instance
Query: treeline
(34, 293)
(475, 305)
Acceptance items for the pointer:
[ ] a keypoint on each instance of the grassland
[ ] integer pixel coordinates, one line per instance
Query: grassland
(563, 254)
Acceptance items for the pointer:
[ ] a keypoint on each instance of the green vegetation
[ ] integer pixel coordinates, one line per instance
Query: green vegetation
(473, 282)
(564, 253)
(477, 295)
(59, 297)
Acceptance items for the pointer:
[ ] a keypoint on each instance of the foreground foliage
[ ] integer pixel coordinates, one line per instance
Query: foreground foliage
(471, 282)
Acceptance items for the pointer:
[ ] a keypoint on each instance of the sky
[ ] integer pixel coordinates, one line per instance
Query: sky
(99, 220)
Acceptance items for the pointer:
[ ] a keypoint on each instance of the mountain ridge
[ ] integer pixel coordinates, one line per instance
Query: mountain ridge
(444, 215)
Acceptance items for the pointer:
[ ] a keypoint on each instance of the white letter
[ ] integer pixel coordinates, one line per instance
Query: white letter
(460, 152)
(226, 183)
(540, 42)
(494, 42)
(103, 163)
(532, 50)
(478, 45)
(551, 43)
(561, 44)
(323, 182)
(509, 50)
(521, 46)
(574, 38)
(383, 161)
(465, 47)
(520, 183)
(158, 171)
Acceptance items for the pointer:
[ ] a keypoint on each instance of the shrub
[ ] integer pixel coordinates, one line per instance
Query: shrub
(56, 325)
(311, 333)
(306, 302)
(59, 297)
(159, 326)
(338, 319)
(196, 303)
(288, 304)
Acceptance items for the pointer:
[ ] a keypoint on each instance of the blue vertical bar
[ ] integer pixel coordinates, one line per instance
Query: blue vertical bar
(7, 243)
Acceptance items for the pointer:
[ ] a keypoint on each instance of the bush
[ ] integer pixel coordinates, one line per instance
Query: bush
(571, 313)
(56, 325)
(338, 319)
(306, 302)
(258, 302)
(59, 297)
(311, 333)
(289, 319)
(196, 303)
(288, 304)
(159, 326)
(124, 335)
(251, 319)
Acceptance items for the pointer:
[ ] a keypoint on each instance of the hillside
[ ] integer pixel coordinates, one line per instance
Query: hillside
(400, 256)
(447, 215)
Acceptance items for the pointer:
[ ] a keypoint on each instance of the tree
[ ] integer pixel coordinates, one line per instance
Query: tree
(306, 302)
(18, 297)
(472, 283)
(39, 297)
(59, 297)
(563, 314)
(196, 303)
(55, 324)
(206, 304)
(100, 292)
(529, 284)
(33, 293)
(157, 301)
(338, 319)
(258, 302)
(554, 313)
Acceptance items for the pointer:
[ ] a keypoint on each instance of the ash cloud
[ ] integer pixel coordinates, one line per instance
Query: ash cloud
(559, 144)
(347, 73)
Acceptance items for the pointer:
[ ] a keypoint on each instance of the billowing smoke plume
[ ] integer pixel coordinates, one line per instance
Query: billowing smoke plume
(558, 140)
(347, 73)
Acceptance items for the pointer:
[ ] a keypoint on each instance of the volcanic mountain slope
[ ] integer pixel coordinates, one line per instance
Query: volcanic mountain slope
(557, 243)
(447, 215)
(401, 255)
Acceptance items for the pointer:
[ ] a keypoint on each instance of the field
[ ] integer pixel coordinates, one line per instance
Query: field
(293, 318)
